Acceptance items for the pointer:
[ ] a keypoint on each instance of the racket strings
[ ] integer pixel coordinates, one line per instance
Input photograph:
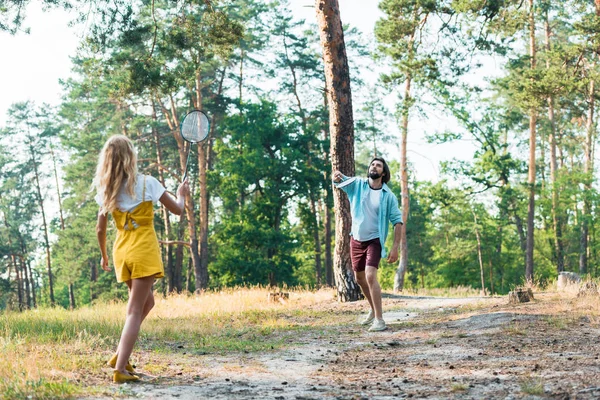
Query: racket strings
(195, 127)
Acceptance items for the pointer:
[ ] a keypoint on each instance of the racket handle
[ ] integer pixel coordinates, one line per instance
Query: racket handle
(186, 164)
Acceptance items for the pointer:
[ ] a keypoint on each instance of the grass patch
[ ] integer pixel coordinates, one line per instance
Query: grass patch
(459, 387)
(557, 322)
(57, 353)
(533, 386)
(37, 389)
(458, 291)
(516, 329)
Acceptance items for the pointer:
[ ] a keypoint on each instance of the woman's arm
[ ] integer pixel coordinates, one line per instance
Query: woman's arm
(101, 235)
(176, 205)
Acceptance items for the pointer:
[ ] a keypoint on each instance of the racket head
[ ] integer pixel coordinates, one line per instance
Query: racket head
(195, 126)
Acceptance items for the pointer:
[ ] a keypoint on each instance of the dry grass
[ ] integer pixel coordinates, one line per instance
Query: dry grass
(458, 291)
(56, 353)
(48, 353)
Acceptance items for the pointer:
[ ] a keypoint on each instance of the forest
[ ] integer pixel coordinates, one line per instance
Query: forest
(520, 209)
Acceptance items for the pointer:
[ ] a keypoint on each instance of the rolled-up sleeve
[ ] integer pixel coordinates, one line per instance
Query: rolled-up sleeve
(395, 214)
(347, 184)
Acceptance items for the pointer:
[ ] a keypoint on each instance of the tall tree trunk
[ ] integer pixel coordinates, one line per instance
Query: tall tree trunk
(204, 162)
(201, 270)
(202, 267)
(531, 177)
(479, 253)
(93, 279)
(328, 212)
(179, 251)
(556, 220)
(59, 196)
(173, 274)
(173, 122)
(26, 283)
(588, 174)
(241, 83)
(33, 295)
(44, 224)
(71, 297)
(341, 127)
(316, 238)
(328, 256)
(19, 282)
(403, 264)
(188, 277)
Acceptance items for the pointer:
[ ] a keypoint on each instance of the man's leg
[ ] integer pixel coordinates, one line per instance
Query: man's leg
(362, 282)
(374, 289)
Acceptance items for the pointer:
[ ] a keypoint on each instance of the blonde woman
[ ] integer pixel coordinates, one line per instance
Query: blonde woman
(130, 197)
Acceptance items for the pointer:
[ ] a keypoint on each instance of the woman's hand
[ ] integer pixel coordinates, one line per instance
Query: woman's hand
(104, 263)
(184, 189)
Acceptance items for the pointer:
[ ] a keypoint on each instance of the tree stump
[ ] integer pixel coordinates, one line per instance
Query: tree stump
(588, 288)
(566, 279)
(279, 296)
(520, 295)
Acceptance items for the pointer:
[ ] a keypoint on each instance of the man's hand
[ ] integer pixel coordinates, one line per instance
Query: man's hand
(104, 263)
(393, 256)
(337, 176)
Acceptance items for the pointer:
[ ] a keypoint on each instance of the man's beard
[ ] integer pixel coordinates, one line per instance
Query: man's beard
(374, 175)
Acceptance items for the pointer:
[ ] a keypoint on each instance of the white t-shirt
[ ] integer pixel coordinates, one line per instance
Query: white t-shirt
(369, 228)
(154, 191)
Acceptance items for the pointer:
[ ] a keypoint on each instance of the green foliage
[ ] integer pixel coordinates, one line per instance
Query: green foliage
(256, 175)
(256, 69)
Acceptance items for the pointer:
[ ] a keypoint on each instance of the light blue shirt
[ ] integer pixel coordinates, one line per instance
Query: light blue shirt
(357, 190)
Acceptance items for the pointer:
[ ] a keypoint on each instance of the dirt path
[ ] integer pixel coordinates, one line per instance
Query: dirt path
(435, 348)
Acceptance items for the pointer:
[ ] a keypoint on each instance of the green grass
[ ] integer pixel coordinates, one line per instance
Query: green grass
(516, 329)
(37, 389)
(533, 386)
(557, 322)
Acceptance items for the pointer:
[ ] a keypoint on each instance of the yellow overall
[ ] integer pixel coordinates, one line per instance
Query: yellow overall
(136, 253)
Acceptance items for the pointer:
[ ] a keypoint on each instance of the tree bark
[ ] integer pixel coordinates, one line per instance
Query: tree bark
(479, 253)
(588, 179)
(172, 271)
(173, 121)
(59, 196)
(18, 281)
(328, 256)
(403, 264)
(71, 296)
(341, 127)
(44, 224)
(531, 177)
(556, 220)
(26, 283)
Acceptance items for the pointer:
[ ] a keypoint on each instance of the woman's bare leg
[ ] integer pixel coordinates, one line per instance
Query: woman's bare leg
(148, 306)
(139, 293)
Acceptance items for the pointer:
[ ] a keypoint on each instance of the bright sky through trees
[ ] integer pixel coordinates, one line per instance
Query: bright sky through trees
(32, 65)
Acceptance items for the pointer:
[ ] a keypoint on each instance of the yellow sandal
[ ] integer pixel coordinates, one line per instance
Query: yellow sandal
(113, 363)
(119, 377)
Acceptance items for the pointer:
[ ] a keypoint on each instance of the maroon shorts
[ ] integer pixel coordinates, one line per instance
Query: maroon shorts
(365, 253)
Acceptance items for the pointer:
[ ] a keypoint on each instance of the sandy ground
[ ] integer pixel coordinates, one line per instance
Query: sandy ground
(434, 348)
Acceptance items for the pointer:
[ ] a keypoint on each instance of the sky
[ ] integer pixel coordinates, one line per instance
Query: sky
(32, 65)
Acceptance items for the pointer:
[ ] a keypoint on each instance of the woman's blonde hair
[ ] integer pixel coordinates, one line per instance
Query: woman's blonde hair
(117, 166)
